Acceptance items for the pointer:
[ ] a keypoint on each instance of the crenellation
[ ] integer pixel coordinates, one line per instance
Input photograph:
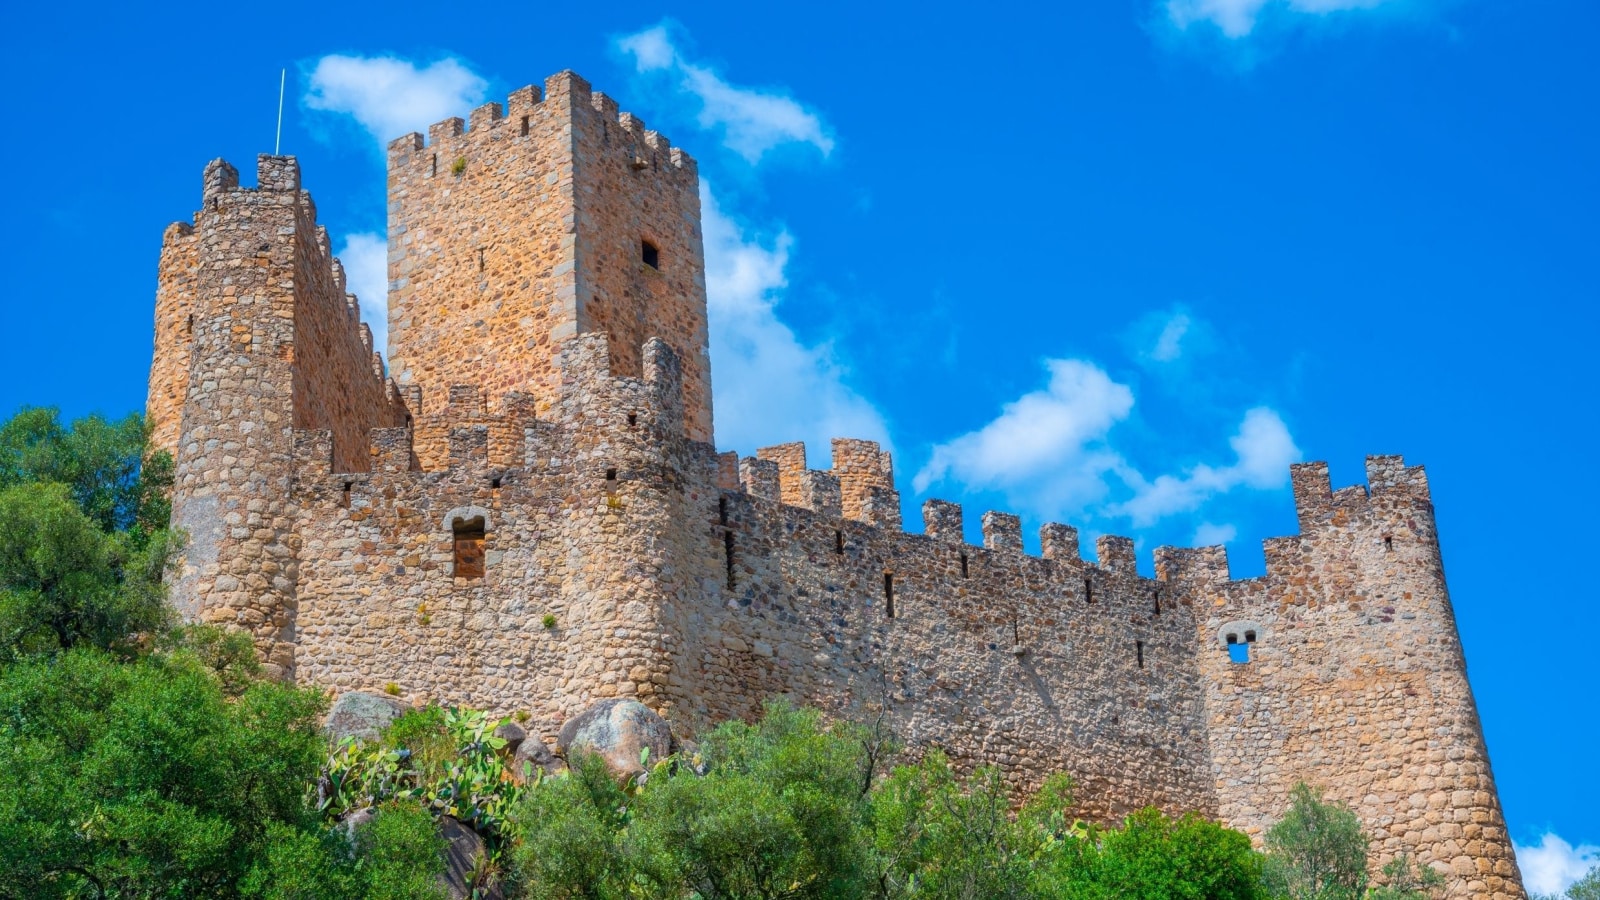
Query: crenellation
(486, 116)
(1116, 554)
(1059, 542)
(941, 521)
(1002, 531)
(761, 478)
(543, 454)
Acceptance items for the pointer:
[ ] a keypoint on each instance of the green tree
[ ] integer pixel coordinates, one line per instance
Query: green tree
(83, 540)
(144, 778)
(105, 465)
(1153, 857)
(1407, 880)
(64, 582)
(1317, 852)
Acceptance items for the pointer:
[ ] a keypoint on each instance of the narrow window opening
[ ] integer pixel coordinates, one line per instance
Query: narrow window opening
(727, 556)
(480, 259)
(1238, 653)
(888, 593)
(963, 565)
(1138, 648)
(633, 419)
(344, 496)
(722, 510)
(1388, 544)
(214, 203)
(1232, 639)
(469, 539)
(188, 329)
(435, 168)
(1088, 591)
(838, 541)
(1249, 637)
(651, 256)
(495, 482)
(524, 126)
(611, 474)
(1155, 597)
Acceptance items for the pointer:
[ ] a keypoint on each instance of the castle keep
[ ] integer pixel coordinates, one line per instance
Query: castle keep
(529, 515)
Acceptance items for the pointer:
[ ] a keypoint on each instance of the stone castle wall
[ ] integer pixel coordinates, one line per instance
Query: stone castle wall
(535, 519)
(705, 600)
(268, 341)
(1356, 680)
(525, 226)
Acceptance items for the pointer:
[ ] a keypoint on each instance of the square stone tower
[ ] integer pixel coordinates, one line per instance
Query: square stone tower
(551, 217)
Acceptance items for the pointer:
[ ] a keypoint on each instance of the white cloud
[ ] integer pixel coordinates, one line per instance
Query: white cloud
(1047, 449)
(1053, 452)
(365, 256)
(1208, 534)
(768, 387)
(752, 121)
(1169, 344)
(1264, 451)
(1237, 18)
(390, 96)
(1552, 866)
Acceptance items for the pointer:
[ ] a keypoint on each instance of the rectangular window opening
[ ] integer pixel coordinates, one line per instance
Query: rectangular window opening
(722, 510)
(633, 419)
(1238, 653)
(524, 126)
(888, 593)
(469, 540)
(963, 565)
(650, 255)
(727, 556)
(838, 541)
(1088, 591)
(1388, 544)
(344, 497)
(434, 170)
(1155, 597)
(1138, 648)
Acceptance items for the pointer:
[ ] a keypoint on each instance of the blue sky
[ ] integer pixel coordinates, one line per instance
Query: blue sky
(1114, 267)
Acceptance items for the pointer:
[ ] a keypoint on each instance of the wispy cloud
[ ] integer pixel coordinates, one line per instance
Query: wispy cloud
(1055, 452)
(1264, 451)
(1553, 865)
(1048, 446)
(1169, 343)
(769, 386)
(752, 121)
(390, 96)
(365, 256)
(1236, 19)
(1209, 534)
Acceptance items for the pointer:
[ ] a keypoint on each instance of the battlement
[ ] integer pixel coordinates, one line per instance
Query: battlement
(521, 117)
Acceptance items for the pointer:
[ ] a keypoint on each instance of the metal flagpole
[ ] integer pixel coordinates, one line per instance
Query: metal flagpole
(278, 141)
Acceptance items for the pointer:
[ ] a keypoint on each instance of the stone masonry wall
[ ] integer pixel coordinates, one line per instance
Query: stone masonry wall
(174, 339)
(263, 285)
(524, 227)
(1356, 681)
(705, 602)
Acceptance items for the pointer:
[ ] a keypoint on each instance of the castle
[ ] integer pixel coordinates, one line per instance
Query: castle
(530, 516)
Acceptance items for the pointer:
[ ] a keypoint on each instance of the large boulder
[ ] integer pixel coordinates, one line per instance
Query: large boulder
(465, 863)
(361, 715)
(533, 754)
(618, 730)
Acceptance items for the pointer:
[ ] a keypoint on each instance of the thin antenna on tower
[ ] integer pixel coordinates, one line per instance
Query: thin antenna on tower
(278, 141)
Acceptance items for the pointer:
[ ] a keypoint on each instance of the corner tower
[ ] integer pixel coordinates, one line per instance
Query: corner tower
(550, 217)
